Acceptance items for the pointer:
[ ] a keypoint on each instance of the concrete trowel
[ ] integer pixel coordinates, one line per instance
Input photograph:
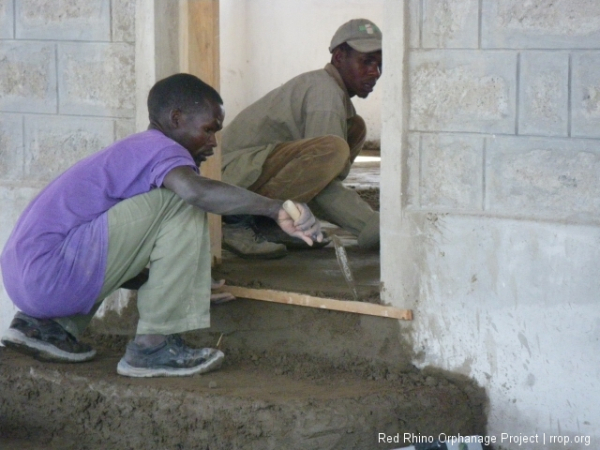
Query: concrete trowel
(340, 251)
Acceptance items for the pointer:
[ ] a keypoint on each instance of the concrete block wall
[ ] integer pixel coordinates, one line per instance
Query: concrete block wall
(491, 215)
(505, 107)
(67, 89)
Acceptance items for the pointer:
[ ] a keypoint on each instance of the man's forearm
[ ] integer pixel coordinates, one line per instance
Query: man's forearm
(225, 199)
(217, 197)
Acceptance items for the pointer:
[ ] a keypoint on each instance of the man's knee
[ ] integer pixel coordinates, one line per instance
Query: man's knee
(357, 126)
(357, 134)
(335, 153)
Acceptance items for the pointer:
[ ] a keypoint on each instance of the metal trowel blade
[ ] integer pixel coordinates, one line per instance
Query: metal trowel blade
(342, 258)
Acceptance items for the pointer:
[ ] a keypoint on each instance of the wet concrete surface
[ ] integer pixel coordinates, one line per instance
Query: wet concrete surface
(248, 404)
(314, 272)
(317, 271)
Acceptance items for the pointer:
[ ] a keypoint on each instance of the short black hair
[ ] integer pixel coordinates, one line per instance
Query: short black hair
(345, 47)
(180, 91)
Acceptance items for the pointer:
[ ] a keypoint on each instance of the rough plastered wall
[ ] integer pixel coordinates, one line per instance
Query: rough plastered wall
(265, 43)
(67, 89)
(491, 214)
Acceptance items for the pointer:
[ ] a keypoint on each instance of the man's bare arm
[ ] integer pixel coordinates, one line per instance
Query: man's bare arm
(218, 197)
(225, 199)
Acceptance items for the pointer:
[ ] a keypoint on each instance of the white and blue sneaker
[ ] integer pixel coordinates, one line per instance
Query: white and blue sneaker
(45, 340)
(168, 359)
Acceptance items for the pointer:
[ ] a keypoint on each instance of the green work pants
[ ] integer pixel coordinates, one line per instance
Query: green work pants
(160, 231)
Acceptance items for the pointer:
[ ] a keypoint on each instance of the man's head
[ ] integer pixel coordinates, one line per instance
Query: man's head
(188, 111)
(356, 54)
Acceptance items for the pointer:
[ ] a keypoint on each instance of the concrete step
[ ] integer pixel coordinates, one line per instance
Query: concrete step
(250, 403)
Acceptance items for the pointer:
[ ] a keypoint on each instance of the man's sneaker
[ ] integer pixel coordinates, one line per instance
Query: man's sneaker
(171, 358)
(242, 240)
(268, 228)
(46, 340)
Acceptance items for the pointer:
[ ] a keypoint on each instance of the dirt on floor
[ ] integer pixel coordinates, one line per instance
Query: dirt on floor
(293, 378)
(255, 401)
(314, 272)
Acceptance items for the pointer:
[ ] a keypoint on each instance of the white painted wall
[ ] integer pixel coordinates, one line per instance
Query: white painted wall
(264, 43)
(498, 258)
(513, 304)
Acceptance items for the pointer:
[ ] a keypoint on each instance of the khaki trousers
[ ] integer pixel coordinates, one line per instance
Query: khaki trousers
(158, 229)
(299, 170)
(312, 171)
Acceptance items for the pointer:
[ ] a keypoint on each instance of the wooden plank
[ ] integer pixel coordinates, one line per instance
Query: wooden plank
(291, 298)
(199, 50)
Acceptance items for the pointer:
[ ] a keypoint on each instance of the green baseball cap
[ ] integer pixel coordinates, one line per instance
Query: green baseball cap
(360, 34)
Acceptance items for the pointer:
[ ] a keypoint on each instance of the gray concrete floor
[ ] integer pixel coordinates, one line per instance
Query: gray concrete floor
(317, 272)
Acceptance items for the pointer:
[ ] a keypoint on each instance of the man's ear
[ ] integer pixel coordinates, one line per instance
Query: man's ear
(336, 56)
(174, 118)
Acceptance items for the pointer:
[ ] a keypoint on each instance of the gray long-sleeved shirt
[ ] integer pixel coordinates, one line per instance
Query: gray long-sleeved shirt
(310, 105)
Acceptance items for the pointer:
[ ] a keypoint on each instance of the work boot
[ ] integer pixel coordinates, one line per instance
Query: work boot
(170, 358)
(242, 240)
(369, 237)
(46, 340)
(343, 207)
(272, 232)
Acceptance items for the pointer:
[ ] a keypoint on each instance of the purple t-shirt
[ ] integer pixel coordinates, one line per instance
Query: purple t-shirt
(54, 261)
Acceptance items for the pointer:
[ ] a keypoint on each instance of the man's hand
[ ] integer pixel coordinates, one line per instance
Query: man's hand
(305, 227)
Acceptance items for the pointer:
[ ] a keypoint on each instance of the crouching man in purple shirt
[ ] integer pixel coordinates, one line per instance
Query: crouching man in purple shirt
(139, 203)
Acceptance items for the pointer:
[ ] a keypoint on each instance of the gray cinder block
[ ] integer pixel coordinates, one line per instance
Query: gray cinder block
(123, 20)
(451, 170)
(27, 77)
(544, 93)
(462, 91)
(11, 146)
(585, 102)
(52, 144)
(7, 19)
(530, 176)
(450, 23)
(79, 20)
(414, 23)
(541, 24)
(97, 79)
(124, 128)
